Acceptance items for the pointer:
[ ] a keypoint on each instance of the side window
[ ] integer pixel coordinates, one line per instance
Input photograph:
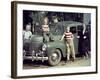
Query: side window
(80, 28)
(88, 28)
(73, 29)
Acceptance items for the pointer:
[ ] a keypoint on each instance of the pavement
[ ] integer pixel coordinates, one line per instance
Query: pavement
(39, 64)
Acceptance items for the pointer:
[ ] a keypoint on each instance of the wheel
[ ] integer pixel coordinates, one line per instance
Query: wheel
(54, 58)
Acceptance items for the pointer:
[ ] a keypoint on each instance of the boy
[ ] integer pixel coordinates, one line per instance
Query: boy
(27, 33)
(46, 30)
(69, 43)
(26, 37)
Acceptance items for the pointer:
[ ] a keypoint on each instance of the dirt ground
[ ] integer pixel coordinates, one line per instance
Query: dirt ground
(39, 64)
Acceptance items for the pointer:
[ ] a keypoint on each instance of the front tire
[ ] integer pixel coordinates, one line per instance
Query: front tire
(55, 57)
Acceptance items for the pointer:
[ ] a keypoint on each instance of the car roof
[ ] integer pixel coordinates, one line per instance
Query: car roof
(69, 23)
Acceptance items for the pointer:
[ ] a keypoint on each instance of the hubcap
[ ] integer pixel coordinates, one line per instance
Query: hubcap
(54, 56)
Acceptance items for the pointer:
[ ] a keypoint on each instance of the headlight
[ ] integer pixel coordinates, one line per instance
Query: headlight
(44, 47)
(33, 52)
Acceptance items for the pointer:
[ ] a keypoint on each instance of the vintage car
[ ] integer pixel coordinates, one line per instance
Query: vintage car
(52, 51)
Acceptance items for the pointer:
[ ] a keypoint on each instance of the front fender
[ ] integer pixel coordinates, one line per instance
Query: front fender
(56, 45)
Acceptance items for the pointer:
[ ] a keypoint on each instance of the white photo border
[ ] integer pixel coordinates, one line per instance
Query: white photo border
(54, 71)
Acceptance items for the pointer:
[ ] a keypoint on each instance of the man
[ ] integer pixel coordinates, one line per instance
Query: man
(55, 19)
(69, 44)
(46, 30)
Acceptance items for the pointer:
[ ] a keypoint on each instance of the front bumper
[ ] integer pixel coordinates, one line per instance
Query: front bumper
(35, 56)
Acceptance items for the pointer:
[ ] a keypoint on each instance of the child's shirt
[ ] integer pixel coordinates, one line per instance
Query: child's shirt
(27, 34)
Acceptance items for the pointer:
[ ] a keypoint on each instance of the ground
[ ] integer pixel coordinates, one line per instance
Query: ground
(39, 64)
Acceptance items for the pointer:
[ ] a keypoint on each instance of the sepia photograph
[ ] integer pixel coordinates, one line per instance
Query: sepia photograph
(53, 39)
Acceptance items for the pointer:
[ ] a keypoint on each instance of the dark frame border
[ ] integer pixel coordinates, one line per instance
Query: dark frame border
(14, 37)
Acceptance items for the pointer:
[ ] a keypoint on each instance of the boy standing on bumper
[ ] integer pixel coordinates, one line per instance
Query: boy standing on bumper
(69, 43)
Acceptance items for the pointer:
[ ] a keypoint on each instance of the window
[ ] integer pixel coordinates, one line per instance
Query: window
(79, 28)
(73, 29)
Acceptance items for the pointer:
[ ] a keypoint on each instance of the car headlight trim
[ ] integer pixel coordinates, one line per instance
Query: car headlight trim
(44, 47)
